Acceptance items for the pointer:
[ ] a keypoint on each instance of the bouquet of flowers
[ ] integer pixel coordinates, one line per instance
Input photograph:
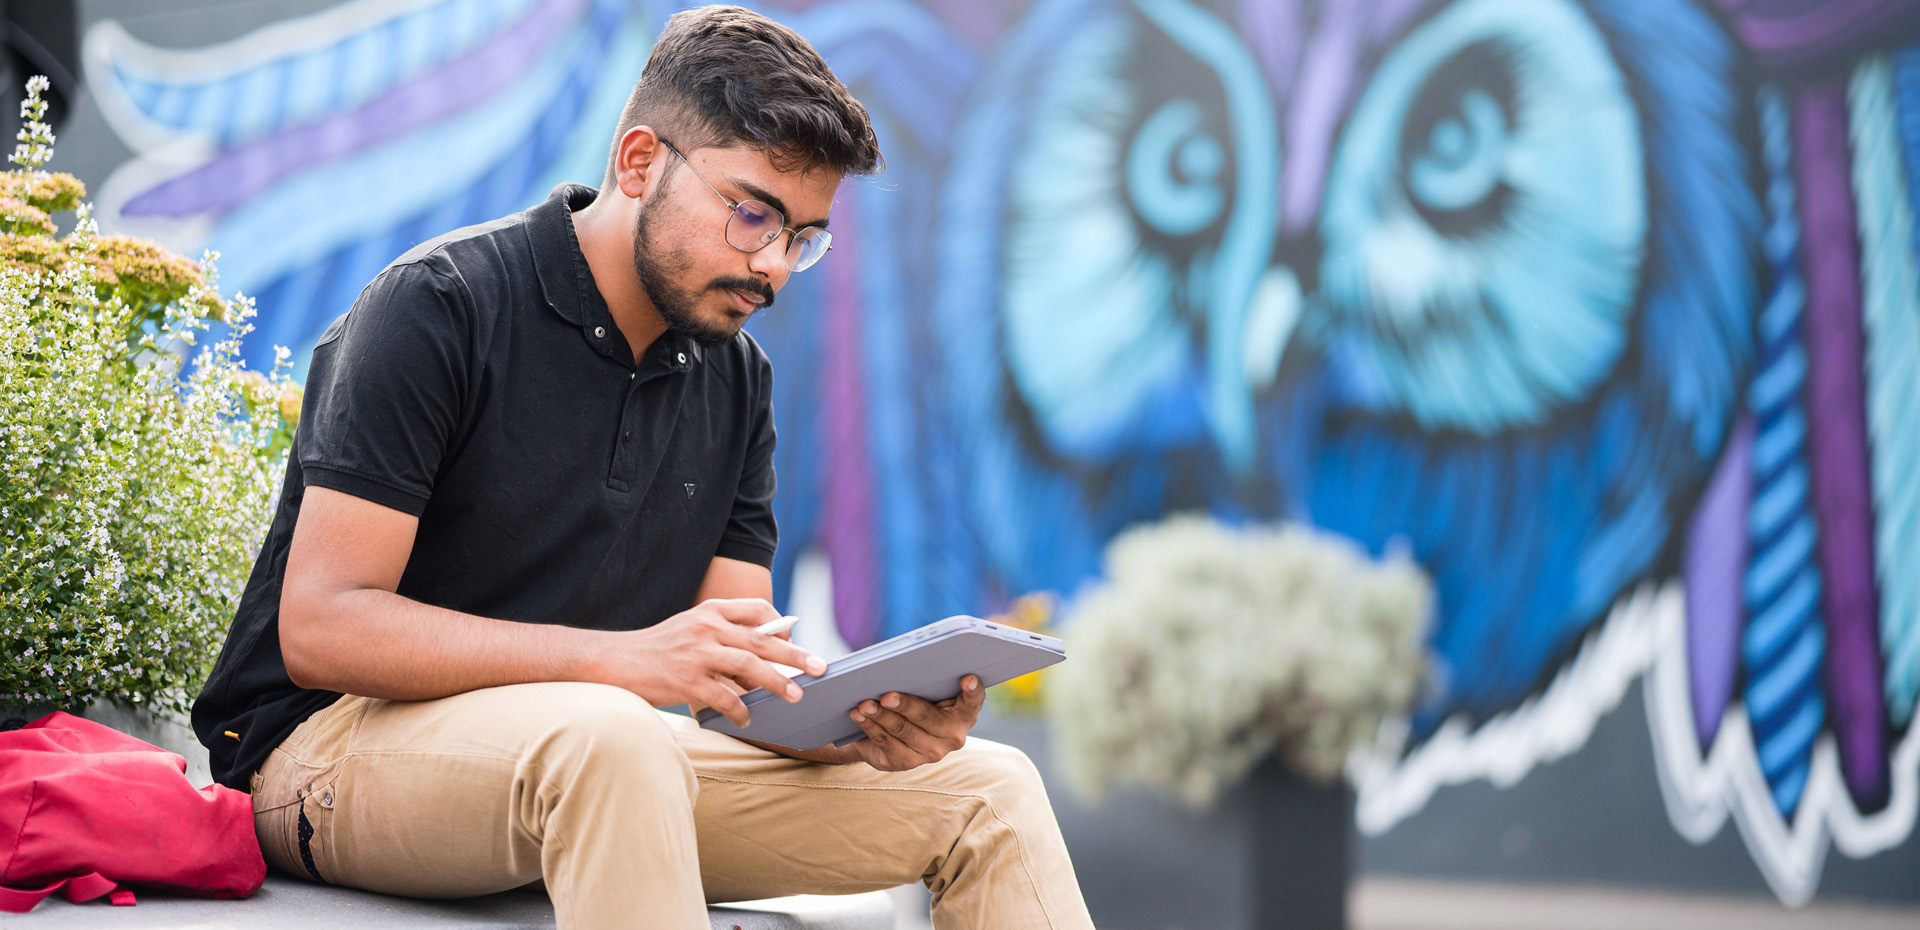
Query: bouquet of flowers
(136, 466)
(1209, 647)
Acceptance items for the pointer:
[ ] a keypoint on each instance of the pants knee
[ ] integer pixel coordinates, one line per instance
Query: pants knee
(1003, 776)
(603, 733)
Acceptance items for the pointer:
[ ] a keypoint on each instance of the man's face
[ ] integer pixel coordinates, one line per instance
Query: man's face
(700, 285)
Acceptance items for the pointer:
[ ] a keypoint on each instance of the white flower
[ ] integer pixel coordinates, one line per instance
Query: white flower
(1207, 648)
(131, 502)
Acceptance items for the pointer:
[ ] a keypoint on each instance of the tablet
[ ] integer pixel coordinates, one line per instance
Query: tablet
(928, 662)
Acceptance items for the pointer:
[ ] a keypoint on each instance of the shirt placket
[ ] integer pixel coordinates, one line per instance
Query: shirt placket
(647, 421)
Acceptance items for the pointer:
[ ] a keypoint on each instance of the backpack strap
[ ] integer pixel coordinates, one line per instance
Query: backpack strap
(76, 889)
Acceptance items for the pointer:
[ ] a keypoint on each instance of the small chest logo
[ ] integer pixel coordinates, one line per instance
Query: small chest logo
(689, 486)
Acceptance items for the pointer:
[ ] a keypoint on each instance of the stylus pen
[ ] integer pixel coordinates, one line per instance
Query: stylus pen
(777, 627)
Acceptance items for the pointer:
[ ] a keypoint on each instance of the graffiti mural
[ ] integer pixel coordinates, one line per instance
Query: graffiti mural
(1607, 310)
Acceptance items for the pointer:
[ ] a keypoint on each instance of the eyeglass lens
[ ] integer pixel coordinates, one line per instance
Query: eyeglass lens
(755, 225)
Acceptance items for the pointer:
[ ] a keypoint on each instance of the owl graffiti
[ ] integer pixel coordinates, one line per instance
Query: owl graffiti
(1565, 296)
(1606, 310)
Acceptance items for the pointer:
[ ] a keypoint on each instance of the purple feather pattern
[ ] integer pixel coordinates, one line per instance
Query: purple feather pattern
(1836, 390)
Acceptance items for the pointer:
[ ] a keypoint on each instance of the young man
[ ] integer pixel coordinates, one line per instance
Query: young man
(529, 503)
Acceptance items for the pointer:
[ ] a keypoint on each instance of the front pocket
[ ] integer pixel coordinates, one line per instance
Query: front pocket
(303, 839)
(293, 821)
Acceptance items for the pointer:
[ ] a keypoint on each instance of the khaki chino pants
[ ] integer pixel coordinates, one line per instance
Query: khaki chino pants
(637, 818)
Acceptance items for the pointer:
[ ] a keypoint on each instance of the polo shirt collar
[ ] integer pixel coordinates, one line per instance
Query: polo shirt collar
(567, 282)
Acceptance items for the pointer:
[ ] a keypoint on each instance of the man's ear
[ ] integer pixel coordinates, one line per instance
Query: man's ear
(638, 161)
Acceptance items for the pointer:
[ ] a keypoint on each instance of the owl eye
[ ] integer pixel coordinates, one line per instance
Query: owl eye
(1485, 219)
(1124, 184)
(1454, 144)
(1175, 170)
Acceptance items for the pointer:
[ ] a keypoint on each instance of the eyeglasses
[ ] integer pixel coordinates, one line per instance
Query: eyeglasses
(754, 226)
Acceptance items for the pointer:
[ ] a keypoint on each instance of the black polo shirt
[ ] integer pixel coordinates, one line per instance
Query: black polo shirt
(480, 384)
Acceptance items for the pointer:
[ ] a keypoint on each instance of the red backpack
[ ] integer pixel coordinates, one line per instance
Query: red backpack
(85, 809)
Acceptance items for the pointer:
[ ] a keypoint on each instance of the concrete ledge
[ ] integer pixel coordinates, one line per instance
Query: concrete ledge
(287, 903)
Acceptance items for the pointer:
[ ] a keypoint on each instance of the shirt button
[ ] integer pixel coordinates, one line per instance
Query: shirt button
(599, 332)
(683, 358)
(628, 437)
(632, 374)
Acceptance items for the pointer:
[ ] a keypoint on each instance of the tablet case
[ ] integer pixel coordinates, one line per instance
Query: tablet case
(928, 662)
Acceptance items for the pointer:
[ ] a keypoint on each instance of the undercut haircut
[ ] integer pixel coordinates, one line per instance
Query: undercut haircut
(725, 76)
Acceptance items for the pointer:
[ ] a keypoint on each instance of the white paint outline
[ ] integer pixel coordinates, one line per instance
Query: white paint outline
(1702, 790)
(1644, 637)
(1548, 726)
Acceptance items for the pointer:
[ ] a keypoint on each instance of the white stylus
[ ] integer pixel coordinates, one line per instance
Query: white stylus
(777, 627)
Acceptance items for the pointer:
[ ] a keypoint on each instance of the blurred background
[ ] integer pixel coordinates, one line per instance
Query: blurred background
(1604, 315)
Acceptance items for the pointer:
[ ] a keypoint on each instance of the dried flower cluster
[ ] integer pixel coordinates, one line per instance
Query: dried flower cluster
(1208, 648)
(135, 478)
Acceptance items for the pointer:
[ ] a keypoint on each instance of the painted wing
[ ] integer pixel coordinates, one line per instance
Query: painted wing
(312, 152)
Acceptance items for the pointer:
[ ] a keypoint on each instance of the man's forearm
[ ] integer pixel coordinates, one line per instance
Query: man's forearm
(380, 644)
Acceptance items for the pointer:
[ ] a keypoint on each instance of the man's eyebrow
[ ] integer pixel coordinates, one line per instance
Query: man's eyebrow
(756, 192)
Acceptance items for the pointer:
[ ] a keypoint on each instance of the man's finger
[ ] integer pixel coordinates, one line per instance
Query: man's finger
(745, 611)
(906, 731)
(774, 649)
(914, 708)
(721, 698)
(876, 735)
(871, 753)
(786, 653)
(883, 750)
(754, 672)
(972, 695)
(970, 700)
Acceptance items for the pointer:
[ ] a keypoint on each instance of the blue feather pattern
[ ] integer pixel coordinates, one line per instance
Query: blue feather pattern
(1891, 308)
(352, 54)
(414, 145)
(1532, 534)
(1784, 641)
(312, 292)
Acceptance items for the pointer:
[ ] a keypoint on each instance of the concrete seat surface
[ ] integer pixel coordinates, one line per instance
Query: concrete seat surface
(286, 903)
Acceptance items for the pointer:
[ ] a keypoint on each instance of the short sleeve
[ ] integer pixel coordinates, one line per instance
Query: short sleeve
(386, 389)
(751, 534)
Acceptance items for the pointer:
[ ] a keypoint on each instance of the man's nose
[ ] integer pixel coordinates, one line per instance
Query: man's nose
(770, 263)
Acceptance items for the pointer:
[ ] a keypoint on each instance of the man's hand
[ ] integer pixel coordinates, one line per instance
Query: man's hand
(904, 731)
(707, 656)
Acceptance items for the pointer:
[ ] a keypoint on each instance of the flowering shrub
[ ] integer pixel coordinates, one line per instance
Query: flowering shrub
(1208, 647)
(132, 498)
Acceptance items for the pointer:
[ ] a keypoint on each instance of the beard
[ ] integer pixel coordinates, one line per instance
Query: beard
(659, 273)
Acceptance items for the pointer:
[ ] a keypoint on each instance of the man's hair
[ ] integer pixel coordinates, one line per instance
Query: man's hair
(724, 75)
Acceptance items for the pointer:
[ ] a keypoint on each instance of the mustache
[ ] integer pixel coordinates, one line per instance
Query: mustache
(749, 286)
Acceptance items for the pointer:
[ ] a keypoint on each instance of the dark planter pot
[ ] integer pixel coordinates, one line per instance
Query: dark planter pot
(1275, 853)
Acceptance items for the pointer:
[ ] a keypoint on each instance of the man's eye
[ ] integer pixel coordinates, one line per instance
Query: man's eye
(757, 213)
